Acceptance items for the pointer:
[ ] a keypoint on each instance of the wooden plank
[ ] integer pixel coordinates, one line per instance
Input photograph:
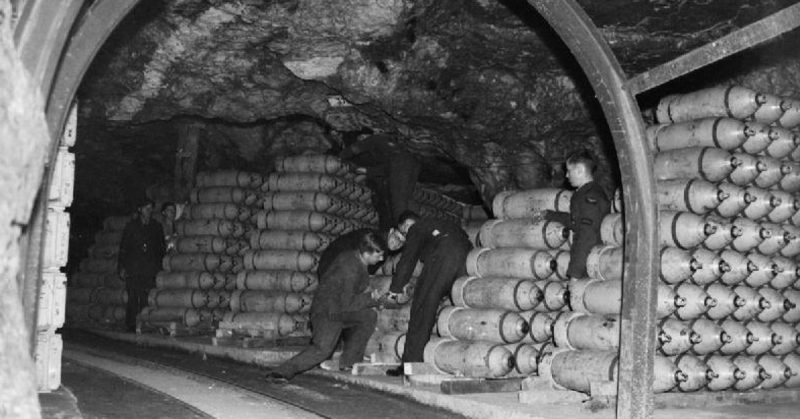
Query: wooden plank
(638, 320)
(372, 368)
(732, 43)
(480, 385)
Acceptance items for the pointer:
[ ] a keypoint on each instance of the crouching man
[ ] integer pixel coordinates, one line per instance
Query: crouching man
(342, 303)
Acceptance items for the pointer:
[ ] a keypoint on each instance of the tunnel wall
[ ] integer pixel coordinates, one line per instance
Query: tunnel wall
(23, 147)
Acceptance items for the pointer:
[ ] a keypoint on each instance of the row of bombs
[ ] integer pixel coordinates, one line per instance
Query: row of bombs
(252, 260)
(236, 300)
(279, 324)
(274, 280)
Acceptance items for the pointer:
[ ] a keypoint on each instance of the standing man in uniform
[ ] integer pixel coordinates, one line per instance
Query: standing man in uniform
(139, 260)
(342, 306)
(442, 247)
(587, 207)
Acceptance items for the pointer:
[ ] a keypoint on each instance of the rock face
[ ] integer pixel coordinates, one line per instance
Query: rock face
(484, 85)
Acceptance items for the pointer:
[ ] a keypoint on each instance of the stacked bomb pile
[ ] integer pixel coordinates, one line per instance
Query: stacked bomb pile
(472, 219)
(432, 204)
(194, 289)
(96, 294)
(728, 172)
(307, 203)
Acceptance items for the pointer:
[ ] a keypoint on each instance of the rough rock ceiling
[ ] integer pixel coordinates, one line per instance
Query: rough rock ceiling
(481, 83)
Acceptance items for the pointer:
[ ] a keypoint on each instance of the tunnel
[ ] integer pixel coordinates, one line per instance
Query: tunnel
(113, 103)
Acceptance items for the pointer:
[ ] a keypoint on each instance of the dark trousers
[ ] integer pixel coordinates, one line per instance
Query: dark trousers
(441, 268)
(403, 173)
(137, 300)
(355, 328)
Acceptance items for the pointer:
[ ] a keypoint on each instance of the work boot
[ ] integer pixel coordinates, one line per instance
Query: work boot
(276, 378)
(395, 372)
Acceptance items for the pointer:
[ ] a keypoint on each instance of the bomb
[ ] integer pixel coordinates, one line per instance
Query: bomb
(540, 325)
(724, 133)
(748, 169)
(711, 267)
(525, 356)
(727, 301)
(786, 209)
(754, 303)
(710, 164)
(775, 171)
(530, 203)
(562, 264)
(783, 145)
(682, 229)
(761, 138)
(210, 244)
(752, 235)
(790, 182)
(177, 298)
(787, 338)
(270, 301)
(470, 359)
(677, 265)
(223, 194)
(275, 324)
(490, 325)
(741, 267)
(724, 373)
(229, 178)
(776, 372)
(211, 227)
(740, 337)
(555, 296)
(310, 201)
(771, 110)
(692, 195)
(605, 297)
(496, 292)
(201, 262)
(605, 262)
(766, 270)
(792, 361)
(697, 301)
(612, 230)
(726, 232)
(305, 221)
(297, 181)
(763, 204)
(763, 338)
(573, 330)
(292, 260)
(290, 240)
(697, 372)
(317, 163)
(753, 373)
(277, 280)
(787, 275)
(733, 101)
(542, 235)
(793, 314)
(791, 117)
(222, 211)
(514, 262)
(737, 200)
(675, 337)
(185, 316)
(792, 248)
(712, 336)
(778, 305)
(777, 240)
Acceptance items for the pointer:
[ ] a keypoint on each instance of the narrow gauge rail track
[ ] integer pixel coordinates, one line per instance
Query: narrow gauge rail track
(313, 394)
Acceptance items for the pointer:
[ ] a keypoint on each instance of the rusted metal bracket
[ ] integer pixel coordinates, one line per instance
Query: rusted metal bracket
(638, 322)
(732, 43)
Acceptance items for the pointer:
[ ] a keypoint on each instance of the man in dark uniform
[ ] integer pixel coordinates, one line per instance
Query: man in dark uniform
(139, 260)
(350, 241)
(587, 207)
(341, 307)
(442, 247)
(392, 174)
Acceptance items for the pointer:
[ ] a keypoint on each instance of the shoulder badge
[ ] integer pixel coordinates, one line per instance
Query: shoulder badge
(435, 233)
(591, 199)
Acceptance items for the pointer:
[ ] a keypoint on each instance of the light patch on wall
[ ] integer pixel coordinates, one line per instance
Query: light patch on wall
(314, 68)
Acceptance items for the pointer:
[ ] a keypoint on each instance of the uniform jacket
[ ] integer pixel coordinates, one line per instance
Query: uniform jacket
(587, 207)
(341, 287)
(345, 243)
(141, 250)
(422, 240)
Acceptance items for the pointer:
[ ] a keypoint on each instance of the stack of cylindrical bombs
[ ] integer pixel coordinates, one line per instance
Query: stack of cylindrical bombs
(306, 204)
(432, 204)
(727, 194)
(96, 295)
(199, 274)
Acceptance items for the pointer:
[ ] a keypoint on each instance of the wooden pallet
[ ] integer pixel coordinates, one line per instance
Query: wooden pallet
(254, 339)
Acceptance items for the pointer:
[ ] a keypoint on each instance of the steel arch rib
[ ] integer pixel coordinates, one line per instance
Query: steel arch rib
(637, 337)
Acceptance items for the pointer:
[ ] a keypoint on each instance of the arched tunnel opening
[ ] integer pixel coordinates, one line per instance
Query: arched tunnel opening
(487, 98)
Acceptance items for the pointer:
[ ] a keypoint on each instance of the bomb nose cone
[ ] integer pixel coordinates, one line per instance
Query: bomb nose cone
(761, 99)
(750, 338)
(710, 302)
(736, 162)
(788, 373)
(740, 302)
(772, 134)
(761, 166)
(764, 304)
(724, 266)
(786, 169)
(785, 105)
(748, 198)
(694, 265)
(751, 267)
(738, 374)
(725, 337)
(663, 337)
(553, 264)
(681, 376)
(763, 374)
(749, 131)
(788, 305)
(710, 374)
(796, 204)
(722, 195)
(774, 202)
(787, 237)
(764, 233)
(777, 339)
(564, 233)
(695, 338)
(709, 229)
(796, 139)
(680, 301)
(776, 269)
(736, 231)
